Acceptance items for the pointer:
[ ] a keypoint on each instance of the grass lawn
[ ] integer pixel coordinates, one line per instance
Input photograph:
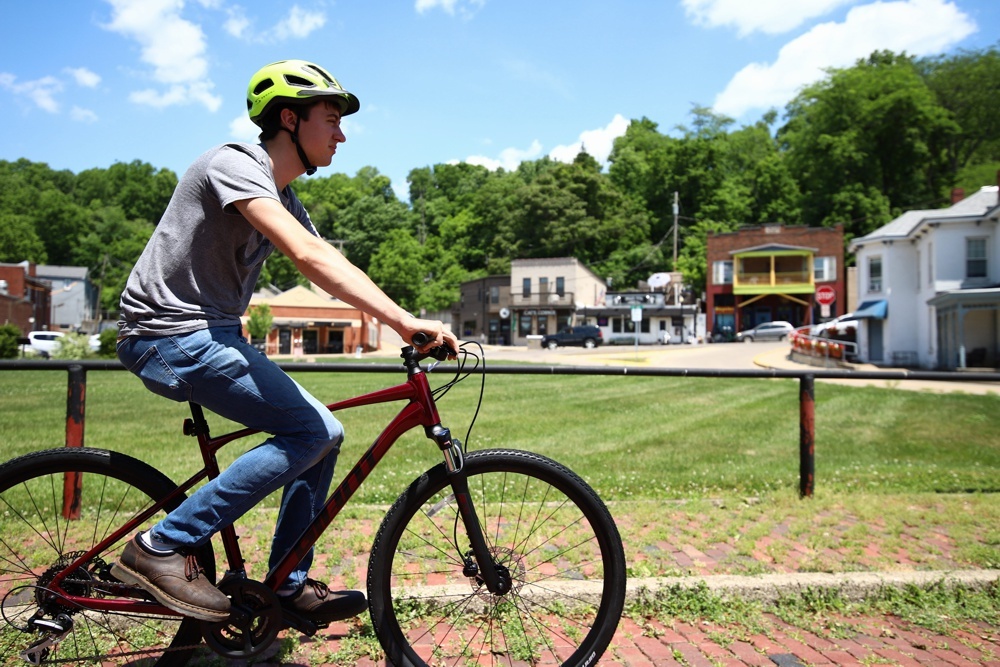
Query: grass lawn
(702, 461)
(630, 437)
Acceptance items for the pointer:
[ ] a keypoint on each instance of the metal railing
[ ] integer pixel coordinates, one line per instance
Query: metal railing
(77, 378)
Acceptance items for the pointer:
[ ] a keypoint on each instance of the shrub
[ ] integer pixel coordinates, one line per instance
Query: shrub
(8, 341)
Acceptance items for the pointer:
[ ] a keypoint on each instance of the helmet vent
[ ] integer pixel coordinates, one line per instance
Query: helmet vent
(327, 77)
(298, 81)
(262, 86)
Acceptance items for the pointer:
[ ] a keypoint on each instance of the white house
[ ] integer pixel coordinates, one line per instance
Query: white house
(929, 287)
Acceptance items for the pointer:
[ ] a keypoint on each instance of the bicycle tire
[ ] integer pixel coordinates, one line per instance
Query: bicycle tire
(545, 524)
(36, 541)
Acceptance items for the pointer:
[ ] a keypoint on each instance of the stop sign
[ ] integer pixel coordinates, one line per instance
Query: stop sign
(825, 295)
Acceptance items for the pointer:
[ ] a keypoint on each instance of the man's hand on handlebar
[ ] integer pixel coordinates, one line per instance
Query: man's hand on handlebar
(426, 335)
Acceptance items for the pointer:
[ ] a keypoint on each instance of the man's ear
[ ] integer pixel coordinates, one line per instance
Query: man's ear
(288, 119)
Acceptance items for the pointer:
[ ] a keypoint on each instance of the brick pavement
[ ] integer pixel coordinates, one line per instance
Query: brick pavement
(884, 552)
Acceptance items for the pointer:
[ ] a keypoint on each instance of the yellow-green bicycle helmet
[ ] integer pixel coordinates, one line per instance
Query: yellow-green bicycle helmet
(295, 82)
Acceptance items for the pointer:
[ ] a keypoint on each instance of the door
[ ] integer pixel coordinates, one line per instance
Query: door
(310, 341)
(875, 352)
(285, 341)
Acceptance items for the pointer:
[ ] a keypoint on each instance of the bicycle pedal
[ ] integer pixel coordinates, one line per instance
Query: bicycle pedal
(300, 623)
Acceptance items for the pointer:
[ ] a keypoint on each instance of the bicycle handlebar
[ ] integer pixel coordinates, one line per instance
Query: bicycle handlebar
(441, 352)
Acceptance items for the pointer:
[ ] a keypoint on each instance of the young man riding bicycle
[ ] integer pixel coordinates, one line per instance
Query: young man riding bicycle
(180, 332)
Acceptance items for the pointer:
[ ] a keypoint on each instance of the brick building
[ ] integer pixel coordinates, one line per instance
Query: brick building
(772, 272)
(25, 299)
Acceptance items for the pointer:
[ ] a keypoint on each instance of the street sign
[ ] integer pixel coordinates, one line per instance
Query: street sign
(637, 313)
(825, 295)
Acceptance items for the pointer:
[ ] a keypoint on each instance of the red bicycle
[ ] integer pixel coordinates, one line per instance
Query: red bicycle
(491, 557)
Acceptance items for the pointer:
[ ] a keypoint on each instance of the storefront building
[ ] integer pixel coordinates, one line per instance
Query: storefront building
(307, 322)
(774, 272)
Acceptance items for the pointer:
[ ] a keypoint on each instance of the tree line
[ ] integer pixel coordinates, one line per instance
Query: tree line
(857, 148)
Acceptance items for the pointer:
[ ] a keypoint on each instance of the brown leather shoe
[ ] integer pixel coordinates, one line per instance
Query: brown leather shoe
(317, 603)
(176, 580)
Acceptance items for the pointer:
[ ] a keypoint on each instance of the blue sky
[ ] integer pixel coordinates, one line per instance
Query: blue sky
(87, 83)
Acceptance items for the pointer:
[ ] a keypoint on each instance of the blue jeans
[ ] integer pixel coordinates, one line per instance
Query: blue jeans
(219, 370)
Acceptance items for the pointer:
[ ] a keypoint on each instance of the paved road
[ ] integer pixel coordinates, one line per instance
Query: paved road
(740, 356)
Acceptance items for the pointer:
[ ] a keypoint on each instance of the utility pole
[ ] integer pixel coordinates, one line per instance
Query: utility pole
(677, 210)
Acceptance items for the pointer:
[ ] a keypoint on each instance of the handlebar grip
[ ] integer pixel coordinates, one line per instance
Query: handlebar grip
(420, 339)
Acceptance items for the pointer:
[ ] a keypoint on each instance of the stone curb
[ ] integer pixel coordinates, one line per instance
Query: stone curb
(768, 588)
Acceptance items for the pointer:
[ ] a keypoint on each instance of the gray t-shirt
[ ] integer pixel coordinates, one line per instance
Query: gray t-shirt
(200, 266)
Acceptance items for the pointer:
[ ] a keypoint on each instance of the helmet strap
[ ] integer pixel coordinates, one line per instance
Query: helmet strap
(310, 169)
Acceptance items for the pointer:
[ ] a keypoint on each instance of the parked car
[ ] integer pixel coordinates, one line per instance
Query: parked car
(44, 342)
(836, 326)
(586, 336)
(777, 330)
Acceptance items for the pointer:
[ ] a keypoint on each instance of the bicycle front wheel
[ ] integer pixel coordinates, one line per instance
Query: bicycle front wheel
(43, 531)
(543, 524)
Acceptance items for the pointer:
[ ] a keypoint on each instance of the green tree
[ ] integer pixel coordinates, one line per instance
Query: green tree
(259, 321)
(110, 250)
(398, 268)
(19, 241)
(967, 84)
(874, 130)
(281, 273)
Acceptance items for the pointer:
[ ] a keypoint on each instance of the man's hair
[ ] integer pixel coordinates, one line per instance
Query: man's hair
(270, 125)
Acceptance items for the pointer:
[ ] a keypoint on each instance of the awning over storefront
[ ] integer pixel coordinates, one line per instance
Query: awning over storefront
(872, 309)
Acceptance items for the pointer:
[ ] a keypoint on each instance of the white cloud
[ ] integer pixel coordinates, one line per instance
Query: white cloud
(509, 158)
(598, 143)
(84, 77)
(299, 23)
(83, 115)
(242, 128)
(768, 16)
(178, 94)
(41, 92)
(449, 6)
(174, 48)
(918, 27)
(237, 22)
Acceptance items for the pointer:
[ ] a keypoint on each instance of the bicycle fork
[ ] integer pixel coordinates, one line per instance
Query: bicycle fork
(494, 576)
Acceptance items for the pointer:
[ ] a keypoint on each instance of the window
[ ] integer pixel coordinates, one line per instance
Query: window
(722, 272)
(495, 294)
(561, 286)
(824, 269)
(875, 274)
(543, 285)
(930, 263)
(524, 325)
(526, 287)
(975, 258)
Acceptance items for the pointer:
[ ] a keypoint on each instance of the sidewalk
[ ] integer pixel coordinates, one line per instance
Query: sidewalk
(747, 556)
(779, 359)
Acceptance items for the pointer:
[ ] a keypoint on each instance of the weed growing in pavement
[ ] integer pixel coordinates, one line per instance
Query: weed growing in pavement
(941, 608)
(360, 642)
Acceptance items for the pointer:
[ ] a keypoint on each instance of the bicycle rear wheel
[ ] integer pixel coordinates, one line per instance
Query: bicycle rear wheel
(37, 542)
(543, 524)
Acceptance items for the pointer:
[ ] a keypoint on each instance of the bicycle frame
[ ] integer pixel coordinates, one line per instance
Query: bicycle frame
(421, 410)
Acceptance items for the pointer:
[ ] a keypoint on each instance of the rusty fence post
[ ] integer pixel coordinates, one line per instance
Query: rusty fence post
(75, 403)
(807, 434)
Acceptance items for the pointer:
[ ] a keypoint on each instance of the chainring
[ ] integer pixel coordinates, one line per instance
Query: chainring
(253, 624)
